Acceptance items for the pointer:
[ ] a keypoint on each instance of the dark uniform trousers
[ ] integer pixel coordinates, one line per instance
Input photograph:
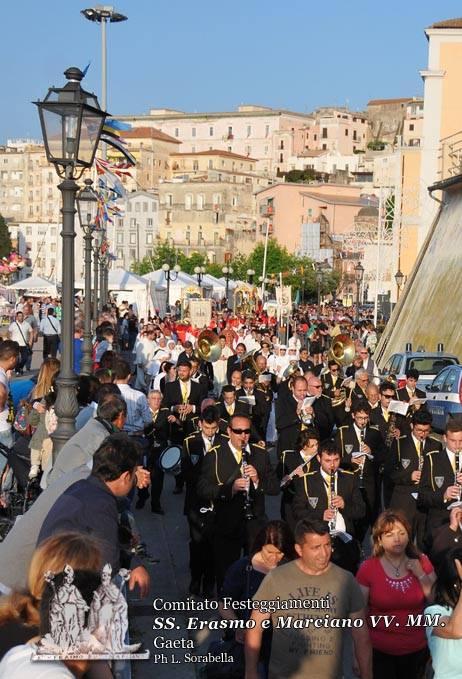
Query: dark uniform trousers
(348, 442)
(384, 481)
(403, 462)
(234, 527)
(437, 476)
(157, 436)
(288, 462)
(312, 498)
(201, 562)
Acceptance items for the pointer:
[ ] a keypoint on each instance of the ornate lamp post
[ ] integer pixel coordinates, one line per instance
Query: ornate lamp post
(359, 274)
(71, 121)
(87, 206)
(250, 275)
(227, 272)
(170, 275)
(200, 272)
(96, 249)
(319, 279)
(103, 272)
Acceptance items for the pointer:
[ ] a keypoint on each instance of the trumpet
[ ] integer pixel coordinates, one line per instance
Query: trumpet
(333, 520)
(248, 512)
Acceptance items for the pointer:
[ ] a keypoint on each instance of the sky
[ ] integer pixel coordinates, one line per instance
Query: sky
(213, 56)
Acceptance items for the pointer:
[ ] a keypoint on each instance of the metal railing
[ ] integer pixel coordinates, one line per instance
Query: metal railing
(450, 156)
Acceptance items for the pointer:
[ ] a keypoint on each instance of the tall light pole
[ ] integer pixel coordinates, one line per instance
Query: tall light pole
(399, 278)
(200, 272)
(170, 275)
(265, 255)
(71, 121)
(87, 205)
(227, 272)
(103, 14)
(96, 250)
(319, 283)
(359, 273)
(250, 275)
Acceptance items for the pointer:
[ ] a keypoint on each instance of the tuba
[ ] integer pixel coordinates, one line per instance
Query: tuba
(343, 352)
(208, 346)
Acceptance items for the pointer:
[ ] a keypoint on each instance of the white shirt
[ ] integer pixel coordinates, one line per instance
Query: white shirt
(50, 327)
(138, 411)
(17, 664)
(4, 424)
(15, 330)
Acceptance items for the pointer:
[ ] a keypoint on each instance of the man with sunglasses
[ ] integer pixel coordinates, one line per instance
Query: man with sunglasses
(332, 380)
(234, 478)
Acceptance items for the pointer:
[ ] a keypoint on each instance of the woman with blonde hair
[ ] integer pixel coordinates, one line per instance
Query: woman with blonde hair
(40, 444)
(396, 582)
(19, 611)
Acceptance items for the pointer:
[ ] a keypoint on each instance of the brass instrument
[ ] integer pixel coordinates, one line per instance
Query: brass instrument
(333, 520)
(208, 347)
(248, 362)
(391, 430)
(342, 350)
(248, 512)
(292, 369)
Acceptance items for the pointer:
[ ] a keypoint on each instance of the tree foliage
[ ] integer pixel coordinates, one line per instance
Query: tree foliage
(5, 240)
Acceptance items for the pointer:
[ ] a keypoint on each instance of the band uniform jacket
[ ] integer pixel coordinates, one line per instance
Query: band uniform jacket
(288, 462)
(203, 382)
(157, 430)
(403, 394)
(358, 395)
(404, 422)
(174, 397)
(346, 436)
(288, 423)
(437, 475)
(403, 461)
(219, 471)
(324, 420)
(377, 418)
(234, 362)
(192, 457)
(258, 411)
(328, 387)
(312, 497)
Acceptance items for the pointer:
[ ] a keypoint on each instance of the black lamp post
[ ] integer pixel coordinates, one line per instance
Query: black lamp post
(250, 275)
(87, 206)
(200, 272)
(399, 278)
(319, 283)
(71, 121)
(227, 272)
(359, 273)
(96, 249)
(170, 275)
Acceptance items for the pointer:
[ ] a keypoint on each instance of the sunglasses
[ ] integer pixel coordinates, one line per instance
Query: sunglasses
(388, 395)
(240, 431)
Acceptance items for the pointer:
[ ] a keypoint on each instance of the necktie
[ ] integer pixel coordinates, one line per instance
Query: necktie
(386, 415)
(184, 391)
(238, 455)
(230, 410)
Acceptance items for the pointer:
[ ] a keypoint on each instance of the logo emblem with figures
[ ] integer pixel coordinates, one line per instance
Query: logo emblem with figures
(405, 462)
(348, 448)
(92, 625)
(313, 501)
(439, 480)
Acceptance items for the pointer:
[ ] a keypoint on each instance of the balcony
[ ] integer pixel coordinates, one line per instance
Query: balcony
(266, 210)
(450, 157)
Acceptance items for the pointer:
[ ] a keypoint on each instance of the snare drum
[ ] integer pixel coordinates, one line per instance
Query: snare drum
(170, 460)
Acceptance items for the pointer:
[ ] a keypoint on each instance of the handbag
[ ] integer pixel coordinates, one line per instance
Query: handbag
(21, 423)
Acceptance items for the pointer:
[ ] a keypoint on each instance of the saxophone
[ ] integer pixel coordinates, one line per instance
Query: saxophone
(333, 520)
(390, 430)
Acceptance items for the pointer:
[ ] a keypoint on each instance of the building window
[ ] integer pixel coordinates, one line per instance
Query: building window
(149, 221)
(188, 201)
(324, 132)
(210, 131)
(230, 132)
(149, 253)
(199, 235)
(129, 207)
(169, 200)
(248, 150)
(411, 127)
(120, 238)
(149, 239)
(145, 207)
(193, 149)
(137, 207)
(234, 201)
(132, 222)
(193, 132)
(28, 231)
(249, 130)
(210, 164)
(133, 255)
(346, 133)
(133, 239)
(281, 157)
(267, 130)
(195, 165)
(324, 147)
(266, 150)
(177, 132)
(355, 138)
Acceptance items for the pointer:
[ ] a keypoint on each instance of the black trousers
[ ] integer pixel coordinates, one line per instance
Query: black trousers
(228, 548)
(24, 355)
(157, 477)
(50, 345)
(387, 666)
(201, 562)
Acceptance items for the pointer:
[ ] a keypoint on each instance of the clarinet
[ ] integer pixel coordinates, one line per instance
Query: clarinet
(456, 471)
(333, 520)
(248, 512)
(362, 435)
(289, 477)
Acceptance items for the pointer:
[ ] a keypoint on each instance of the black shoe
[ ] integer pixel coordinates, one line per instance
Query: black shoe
(157, 510)
(195, 587)
(178, 490)
(140, 503)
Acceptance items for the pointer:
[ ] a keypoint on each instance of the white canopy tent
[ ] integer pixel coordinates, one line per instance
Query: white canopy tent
(183, 280)
(35, 286)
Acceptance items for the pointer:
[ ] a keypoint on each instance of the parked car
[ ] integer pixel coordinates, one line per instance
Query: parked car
(444, 395)
(428, 363)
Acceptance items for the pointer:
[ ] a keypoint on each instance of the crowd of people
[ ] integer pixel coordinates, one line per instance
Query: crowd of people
(370, 516)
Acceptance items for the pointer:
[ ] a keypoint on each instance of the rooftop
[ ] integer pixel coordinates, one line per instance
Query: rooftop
(448, 23)
(381, 102)
(335, 199)
(217, 152)
(149, 133)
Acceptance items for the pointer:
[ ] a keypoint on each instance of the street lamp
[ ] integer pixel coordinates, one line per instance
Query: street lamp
(227, 272)
(399, 278)
(87, 206)
(170, 275)
(199, 271)
(250, 275)
(319, 279)
(97, 242)
(71, 121)
(359, 274)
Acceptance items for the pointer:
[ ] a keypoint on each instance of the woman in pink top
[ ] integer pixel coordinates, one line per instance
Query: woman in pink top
(396, 582)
